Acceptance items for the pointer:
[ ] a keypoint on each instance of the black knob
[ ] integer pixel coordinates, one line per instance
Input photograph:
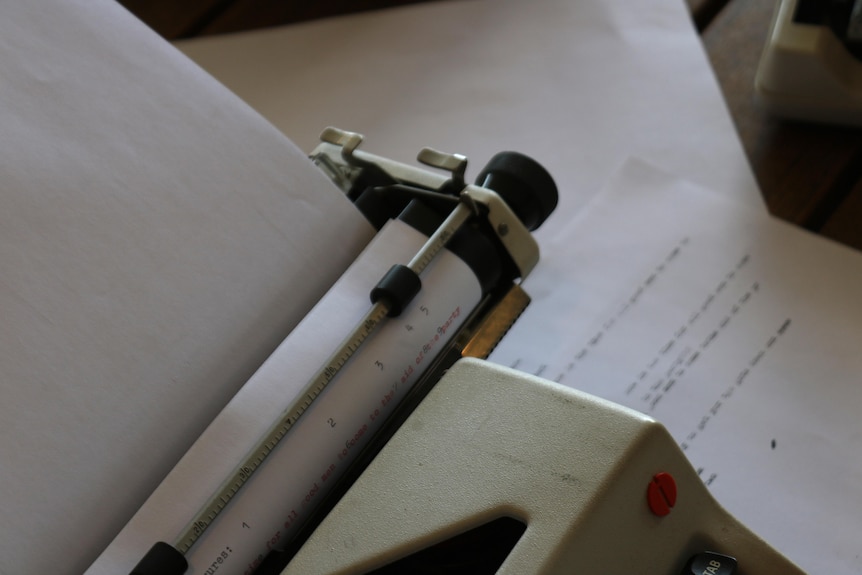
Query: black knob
(161, 559)
(523, 184)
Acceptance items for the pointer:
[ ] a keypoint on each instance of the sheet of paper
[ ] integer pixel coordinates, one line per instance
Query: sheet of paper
(158, 239)
(305, 465)
(579, 86)
(739, 332)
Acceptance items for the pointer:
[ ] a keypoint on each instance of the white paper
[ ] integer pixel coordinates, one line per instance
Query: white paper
(739, 332)
(578, 85)
(279, 497)
(158, 239)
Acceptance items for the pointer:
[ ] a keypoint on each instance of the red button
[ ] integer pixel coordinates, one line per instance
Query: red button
(661, 494)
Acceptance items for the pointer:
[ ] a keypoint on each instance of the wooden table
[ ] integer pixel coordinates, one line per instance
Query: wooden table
(810, 175)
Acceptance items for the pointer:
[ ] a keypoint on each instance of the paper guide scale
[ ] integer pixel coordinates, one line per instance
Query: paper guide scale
(494, 471)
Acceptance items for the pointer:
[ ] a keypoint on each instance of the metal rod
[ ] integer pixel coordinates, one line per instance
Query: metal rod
(350, 345)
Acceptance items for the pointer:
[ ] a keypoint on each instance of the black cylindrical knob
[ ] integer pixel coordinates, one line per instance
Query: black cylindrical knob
(523, 184)
(161, 559)
(397, 288)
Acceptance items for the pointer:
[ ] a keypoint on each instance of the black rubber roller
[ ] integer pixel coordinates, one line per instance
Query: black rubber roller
(161, 559)
(523, 184)
(397, 288)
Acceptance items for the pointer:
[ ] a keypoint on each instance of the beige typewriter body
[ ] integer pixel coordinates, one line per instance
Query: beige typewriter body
(490, 442)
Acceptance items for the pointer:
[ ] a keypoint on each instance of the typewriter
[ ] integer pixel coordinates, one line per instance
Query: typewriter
(462, 466)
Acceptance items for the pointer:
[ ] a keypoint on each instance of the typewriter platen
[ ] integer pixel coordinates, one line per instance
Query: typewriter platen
(492, 471)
